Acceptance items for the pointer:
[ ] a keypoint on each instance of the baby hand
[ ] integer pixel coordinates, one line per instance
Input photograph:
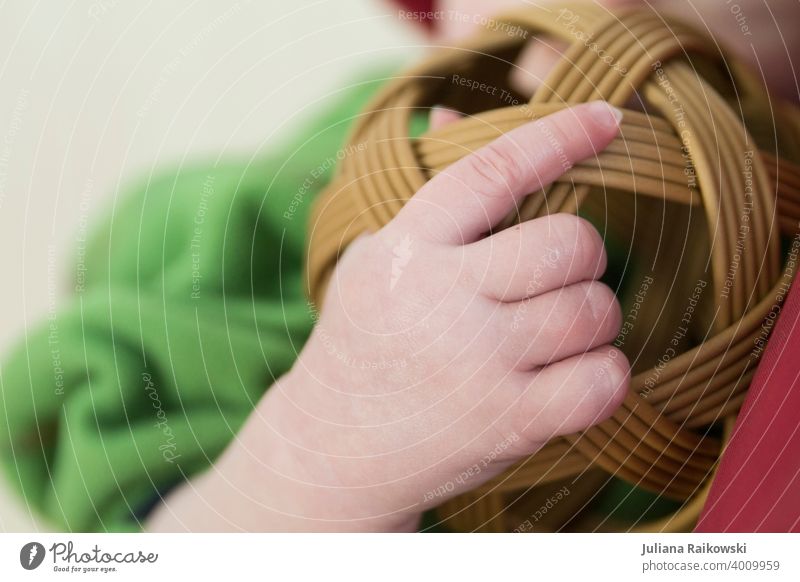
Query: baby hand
(442, 352)
(441, 357)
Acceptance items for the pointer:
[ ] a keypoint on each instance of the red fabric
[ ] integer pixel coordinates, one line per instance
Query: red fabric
(423, 7)
(757, 487)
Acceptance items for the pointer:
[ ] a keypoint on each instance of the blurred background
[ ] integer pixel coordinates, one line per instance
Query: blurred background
(96, 92)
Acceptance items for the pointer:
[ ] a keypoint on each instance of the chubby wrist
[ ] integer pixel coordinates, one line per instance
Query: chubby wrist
(277, 465)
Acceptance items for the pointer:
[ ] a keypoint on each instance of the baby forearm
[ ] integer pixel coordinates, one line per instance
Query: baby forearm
(264, 482)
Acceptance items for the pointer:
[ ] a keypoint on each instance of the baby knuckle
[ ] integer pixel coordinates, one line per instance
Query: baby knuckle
(498, 168)
(557, 136)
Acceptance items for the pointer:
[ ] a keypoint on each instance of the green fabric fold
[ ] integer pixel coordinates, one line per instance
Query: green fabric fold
(187, 304)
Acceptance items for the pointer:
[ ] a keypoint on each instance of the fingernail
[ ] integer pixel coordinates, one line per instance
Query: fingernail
(441, 116)
(611, 375)
(605, 114)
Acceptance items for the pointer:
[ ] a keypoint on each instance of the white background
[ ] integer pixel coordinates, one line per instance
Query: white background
(403, 557)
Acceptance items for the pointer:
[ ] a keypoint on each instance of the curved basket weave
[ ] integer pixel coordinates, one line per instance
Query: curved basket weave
(697, 189)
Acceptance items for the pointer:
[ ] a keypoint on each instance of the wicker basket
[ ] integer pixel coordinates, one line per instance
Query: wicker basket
(697, 192)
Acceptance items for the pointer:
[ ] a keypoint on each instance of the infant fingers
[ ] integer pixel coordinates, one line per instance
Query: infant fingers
(573, 394)
(537, 256)
(560, 324)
